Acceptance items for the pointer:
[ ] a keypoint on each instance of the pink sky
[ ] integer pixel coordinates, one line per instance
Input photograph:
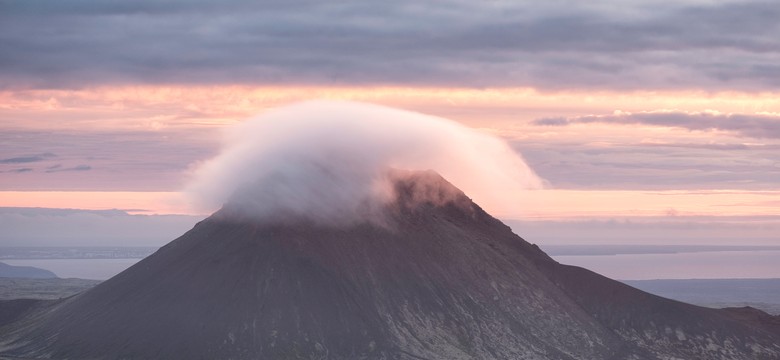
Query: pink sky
(621, 120)
(136, 148)
(184, 118)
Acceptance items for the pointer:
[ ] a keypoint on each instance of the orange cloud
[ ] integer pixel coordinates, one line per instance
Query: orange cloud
(507, 112)
(538, 204)
(131, 201)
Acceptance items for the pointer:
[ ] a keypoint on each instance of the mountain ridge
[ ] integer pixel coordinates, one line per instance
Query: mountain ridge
(438, 279)
(28, 272)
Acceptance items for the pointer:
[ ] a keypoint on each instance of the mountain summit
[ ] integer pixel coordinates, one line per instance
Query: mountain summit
(436, 278)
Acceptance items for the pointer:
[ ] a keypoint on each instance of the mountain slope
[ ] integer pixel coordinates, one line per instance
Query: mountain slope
(438, 278)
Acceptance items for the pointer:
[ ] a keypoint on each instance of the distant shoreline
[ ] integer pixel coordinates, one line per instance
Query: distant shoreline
(762, 294)
(597, 250)
(625, 262)
(140, 252)
(75, 252)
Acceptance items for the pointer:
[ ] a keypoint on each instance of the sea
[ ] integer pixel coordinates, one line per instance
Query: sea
(622, 263)
(713, 276)
(761, 264)
(92, 269)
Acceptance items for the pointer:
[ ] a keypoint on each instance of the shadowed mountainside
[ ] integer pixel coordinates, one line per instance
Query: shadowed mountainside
(439, 279)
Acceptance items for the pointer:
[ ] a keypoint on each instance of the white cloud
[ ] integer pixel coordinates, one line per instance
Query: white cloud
(325, 159)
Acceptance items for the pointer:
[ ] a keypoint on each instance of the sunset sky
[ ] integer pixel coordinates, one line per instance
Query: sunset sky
(650, 121)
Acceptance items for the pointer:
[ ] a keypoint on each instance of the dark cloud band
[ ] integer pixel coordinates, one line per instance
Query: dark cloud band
(27, 159)
(728, 45)
(745, 125)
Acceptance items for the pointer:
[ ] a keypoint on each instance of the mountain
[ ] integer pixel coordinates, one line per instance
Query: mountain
(439, 278)
(25, 272)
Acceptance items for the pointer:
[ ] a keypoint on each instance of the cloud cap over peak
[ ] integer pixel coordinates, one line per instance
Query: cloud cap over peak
(328, 160)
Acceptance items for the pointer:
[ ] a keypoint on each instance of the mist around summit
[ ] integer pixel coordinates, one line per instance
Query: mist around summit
(297, 264)
(329, 161)
(446, 281)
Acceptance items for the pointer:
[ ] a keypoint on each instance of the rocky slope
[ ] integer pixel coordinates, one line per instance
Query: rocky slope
(439, 279)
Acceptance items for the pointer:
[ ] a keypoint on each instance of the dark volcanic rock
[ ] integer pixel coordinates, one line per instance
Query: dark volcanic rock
(441, 279)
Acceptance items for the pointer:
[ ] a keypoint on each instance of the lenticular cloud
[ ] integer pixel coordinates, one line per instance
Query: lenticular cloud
(326, 159)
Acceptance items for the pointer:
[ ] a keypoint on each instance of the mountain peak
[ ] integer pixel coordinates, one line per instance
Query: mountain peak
(424, 189)
(339, 199)
(444, 281)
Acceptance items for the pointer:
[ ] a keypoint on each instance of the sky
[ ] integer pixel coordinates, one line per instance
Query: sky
(652, 122)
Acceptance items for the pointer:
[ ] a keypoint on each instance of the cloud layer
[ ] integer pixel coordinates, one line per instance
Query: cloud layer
(644, 44)
(328, 160)
(638, 165)
(659, 149)
(759, 126)
(101, 160)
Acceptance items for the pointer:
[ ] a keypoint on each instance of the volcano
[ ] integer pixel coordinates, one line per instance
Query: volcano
(437, 278)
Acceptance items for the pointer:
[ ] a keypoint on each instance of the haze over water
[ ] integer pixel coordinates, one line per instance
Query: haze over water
(686, 265)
